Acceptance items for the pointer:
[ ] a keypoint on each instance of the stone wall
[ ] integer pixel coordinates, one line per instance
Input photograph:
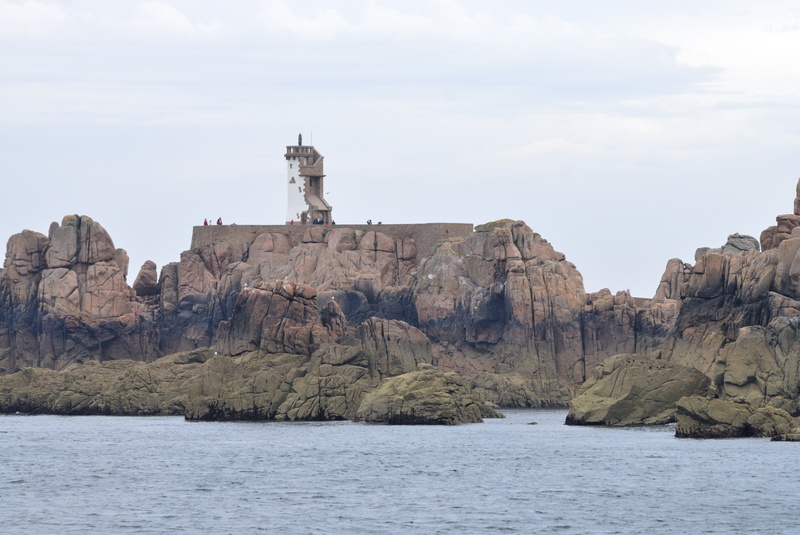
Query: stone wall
(426, 235)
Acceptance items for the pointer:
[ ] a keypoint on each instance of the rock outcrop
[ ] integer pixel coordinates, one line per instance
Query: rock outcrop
(735, 323)
(64, 299)
(146, 283)
(281, 317)
(427, 396)
(772, 237)
(322, 381)
(762, 366)
(699, 417)
(738, 324)
(305, 322)
(501, 307)
(503, 301)
(117, 387)
(634, 390)
(297, 364)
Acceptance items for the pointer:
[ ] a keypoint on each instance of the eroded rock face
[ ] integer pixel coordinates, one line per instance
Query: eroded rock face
(737, 323)
(721, 294)
(206, 385)
(500, 305)
(736, 317)
(500, 301)
(120, 387)
(504, 301)
(762, 366)
(364, 271)
(699, 417)
(281, 317)
(634, 390)
(65, 300)
(294, 363)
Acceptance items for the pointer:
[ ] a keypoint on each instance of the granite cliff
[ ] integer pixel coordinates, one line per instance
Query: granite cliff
(325, 316)
(737, 323)
(738, 316)
(284, 360)
(499, 306)
(64, 299)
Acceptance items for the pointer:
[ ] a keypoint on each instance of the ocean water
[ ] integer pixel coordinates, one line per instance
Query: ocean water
(110, 475)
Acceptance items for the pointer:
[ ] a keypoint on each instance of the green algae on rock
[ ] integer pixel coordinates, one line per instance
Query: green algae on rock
(427, 396)
(634, 390)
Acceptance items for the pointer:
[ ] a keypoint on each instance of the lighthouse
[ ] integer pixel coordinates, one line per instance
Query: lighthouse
(306, 201)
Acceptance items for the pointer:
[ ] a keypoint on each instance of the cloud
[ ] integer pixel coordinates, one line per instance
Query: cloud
(645, 126)
(161, 18)
(30, 20)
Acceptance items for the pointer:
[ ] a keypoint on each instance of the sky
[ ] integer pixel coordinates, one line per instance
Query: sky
(626, 133)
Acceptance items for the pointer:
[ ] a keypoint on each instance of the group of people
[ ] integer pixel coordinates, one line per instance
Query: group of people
(316, 221)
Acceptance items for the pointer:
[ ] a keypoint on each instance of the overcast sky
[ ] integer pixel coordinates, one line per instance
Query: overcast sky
(624, 132)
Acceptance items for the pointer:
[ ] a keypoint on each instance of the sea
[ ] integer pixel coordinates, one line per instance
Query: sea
(527, 473)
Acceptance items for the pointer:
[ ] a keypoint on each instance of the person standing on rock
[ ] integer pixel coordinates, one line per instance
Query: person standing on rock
(219, 221)
(205, 222)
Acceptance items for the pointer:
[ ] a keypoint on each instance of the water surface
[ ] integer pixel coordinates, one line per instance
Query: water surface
(133, 475)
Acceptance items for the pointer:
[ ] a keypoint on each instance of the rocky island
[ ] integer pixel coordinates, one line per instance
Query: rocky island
(437, 323)
(300, 322)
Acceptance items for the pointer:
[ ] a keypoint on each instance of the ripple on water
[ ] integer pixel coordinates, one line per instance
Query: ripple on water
(158, 475)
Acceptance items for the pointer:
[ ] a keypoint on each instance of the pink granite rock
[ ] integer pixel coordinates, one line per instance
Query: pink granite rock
(69, 300)
(278, 317)
(146, 282)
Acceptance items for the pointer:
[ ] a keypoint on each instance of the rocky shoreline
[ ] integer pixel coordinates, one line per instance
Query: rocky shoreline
(499, 307)
(738, 325)
(348, 323)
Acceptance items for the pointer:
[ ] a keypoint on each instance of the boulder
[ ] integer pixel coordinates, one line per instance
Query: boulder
(146, 282)
(634, 390)
(699, 417)
(738, 243)
(424, 397)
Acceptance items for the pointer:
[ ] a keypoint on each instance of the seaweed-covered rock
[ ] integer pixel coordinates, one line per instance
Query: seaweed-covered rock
(633, 390)
(427, 396)
(117, 387)
(699, 417)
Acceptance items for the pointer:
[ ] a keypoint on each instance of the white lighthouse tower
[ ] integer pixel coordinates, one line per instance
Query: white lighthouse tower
(305, 178)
